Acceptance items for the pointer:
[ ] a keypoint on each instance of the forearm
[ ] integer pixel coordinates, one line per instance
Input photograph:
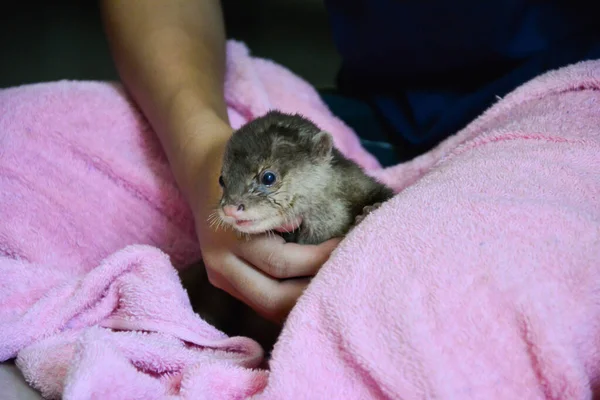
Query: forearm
(170, 55)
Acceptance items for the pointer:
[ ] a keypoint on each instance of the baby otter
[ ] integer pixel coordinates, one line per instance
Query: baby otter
(282, 173)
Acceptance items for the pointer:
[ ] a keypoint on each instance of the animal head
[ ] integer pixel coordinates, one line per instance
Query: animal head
(270, 167)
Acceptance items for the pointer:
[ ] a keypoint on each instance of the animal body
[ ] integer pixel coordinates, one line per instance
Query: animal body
(281, 172)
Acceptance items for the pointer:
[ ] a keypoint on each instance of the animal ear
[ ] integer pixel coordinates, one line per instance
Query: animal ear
(322, 144)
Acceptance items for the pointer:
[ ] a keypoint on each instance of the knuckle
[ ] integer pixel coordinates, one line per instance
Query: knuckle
(212, 274)
(214, 279)
(277, 265)
(272, 307)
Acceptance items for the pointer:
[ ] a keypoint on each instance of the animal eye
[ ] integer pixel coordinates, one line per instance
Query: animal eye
(268, 178)
(221, 182)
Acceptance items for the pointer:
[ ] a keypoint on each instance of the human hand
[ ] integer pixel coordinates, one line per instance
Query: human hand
(263, 271)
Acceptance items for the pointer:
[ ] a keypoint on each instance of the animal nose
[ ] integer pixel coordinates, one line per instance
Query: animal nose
(233, 211)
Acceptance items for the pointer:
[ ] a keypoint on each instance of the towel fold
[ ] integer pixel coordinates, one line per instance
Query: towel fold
(124, 330)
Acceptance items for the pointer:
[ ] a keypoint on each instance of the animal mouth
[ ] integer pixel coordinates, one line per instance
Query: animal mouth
(244, 222)
(288, 226)
(261, 225)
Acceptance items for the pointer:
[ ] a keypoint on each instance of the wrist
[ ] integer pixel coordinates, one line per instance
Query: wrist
(193, 134)
(197, 163)
(200, 175)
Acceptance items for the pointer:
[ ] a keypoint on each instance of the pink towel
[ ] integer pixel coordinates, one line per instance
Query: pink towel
(124, 330)
(479, 280)
(82, 177)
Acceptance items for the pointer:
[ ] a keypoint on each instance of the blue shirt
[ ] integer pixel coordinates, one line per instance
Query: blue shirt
(428, 67)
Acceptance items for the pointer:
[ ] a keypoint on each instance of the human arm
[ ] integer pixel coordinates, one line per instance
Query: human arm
(170, 55)
(171, 58)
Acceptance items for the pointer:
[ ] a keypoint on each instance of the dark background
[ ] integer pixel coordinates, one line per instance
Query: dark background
(47, 41)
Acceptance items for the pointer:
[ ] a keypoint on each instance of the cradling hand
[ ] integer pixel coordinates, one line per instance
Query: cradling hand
(263, 271)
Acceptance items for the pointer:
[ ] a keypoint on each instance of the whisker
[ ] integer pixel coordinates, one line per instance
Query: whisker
(222, 224)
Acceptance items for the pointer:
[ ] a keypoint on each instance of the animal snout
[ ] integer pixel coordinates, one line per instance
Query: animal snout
(234, 211)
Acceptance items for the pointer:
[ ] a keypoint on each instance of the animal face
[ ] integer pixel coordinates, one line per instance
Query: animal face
(256, 200)
(268, 165)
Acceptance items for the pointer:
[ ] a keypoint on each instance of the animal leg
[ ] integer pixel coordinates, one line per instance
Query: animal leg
(366, 211)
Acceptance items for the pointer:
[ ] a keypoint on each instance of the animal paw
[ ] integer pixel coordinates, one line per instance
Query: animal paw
(366, 211)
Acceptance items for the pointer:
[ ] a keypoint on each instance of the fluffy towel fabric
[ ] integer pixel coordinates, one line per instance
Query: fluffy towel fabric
(480, 280)
(487, 285)
(125, 330)
(81, 178)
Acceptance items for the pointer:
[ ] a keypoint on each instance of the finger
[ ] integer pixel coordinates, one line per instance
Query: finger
(271, 298)
(282, 260)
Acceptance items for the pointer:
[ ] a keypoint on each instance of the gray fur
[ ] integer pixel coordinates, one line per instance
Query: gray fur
(314, 180)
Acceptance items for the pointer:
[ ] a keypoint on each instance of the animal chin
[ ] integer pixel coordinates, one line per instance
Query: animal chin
(256, 225)
(262, 225)
(278, 224)
(289, 225)
(242, 225)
